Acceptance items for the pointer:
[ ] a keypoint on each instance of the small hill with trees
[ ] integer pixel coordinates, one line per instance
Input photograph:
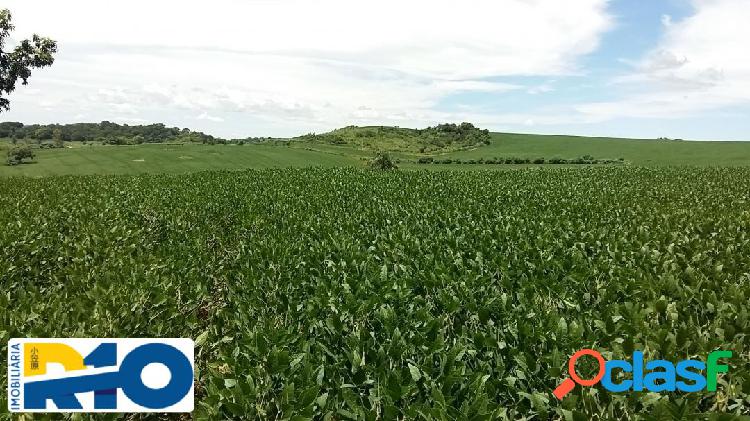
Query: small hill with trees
(441, 138)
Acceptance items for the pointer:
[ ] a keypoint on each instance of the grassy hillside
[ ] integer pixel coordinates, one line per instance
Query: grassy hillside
(635, 151)
(505, 145)
(441, 138)
(354, 149)
(168, 159)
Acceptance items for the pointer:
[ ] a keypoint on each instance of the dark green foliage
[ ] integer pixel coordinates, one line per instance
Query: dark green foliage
(107, 132)
(248, 140)
(441, 137)
(53, 145)
(8, 129)
(113, 141)
(464, 133)
(403, 295)
(383, 161)
(17, 64)
(19, 155)
(584, 160)
(335, 294)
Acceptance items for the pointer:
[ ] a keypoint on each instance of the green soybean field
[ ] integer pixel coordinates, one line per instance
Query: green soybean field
(351, 294)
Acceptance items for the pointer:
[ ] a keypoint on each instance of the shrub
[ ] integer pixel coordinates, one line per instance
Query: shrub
(383, 161)
(539, 161)
(20, 155)
(112, 141)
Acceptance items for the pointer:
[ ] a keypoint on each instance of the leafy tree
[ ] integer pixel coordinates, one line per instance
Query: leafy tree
(17, 64)
(18, 155)
(58, 137)
(43, 133)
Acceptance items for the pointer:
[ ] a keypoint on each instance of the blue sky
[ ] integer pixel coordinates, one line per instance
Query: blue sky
(639, 27)
(590, 67)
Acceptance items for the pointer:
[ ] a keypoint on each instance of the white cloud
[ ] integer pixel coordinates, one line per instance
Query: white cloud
(131, 120)
(444, 38)
(701, 64)
(296, 64)
(540, 89)
(206, 116)
(666, 20)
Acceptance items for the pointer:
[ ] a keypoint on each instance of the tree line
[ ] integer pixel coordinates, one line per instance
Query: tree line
(106, 132)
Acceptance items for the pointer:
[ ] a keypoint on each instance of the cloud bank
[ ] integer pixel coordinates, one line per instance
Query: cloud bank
(282, 67)
(701, 64)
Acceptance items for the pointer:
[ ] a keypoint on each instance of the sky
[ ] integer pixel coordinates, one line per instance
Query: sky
(239, 68)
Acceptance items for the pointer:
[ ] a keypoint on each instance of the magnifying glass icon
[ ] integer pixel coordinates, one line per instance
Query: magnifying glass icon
(568, 384)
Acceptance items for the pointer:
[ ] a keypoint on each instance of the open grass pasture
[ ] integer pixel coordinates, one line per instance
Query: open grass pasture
(168, 158)
(642, 152)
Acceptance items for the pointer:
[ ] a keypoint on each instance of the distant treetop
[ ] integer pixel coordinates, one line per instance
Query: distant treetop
(107, 132)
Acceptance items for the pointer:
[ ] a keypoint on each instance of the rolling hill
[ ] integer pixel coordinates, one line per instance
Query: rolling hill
(354, 146)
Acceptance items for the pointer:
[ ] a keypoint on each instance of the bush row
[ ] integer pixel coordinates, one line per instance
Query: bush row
(586, 159)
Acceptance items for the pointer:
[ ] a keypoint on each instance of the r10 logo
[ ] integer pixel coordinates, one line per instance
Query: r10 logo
(147, 375)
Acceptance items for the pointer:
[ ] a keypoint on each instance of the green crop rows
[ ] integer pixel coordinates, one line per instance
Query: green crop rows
(349, 294)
